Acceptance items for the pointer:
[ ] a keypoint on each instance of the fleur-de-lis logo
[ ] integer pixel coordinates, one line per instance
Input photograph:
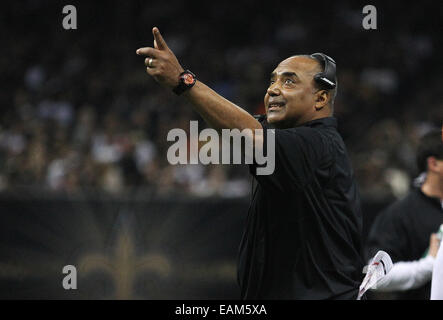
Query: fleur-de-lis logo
(124, 265)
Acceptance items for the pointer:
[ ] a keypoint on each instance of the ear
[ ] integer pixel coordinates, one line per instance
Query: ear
(433, 164)
(321, 99)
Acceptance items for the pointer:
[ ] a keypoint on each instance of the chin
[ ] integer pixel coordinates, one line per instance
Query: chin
(275, 121)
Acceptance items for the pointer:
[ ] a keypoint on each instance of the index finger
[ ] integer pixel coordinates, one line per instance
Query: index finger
(147, 51)
(161, 43)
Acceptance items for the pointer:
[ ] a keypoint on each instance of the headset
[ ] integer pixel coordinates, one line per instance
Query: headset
(327, 78)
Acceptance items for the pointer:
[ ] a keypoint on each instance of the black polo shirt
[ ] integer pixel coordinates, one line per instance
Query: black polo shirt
(302, 238)
(403, 230)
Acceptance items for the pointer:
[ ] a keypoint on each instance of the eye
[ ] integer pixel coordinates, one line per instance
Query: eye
(271, 82)
(289, 81)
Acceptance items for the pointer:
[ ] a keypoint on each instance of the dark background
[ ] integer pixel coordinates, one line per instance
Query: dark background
(84, 178)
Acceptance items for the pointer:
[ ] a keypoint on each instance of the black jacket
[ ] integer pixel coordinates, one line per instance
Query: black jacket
(302, 238)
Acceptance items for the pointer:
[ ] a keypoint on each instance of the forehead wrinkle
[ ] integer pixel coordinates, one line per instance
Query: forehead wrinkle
(303, 64)
(285, 73)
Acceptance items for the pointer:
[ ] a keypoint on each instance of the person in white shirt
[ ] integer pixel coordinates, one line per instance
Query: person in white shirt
(437, 277)
(406, 230)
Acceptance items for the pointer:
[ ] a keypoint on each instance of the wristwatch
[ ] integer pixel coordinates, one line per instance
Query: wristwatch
(186, 81)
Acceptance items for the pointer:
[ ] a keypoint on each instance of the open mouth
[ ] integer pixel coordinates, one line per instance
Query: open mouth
(275, 106)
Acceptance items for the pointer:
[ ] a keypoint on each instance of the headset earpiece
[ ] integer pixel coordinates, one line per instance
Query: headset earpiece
(326, 78)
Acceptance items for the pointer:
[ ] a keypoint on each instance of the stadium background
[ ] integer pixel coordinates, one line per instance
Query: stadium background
(84, 178)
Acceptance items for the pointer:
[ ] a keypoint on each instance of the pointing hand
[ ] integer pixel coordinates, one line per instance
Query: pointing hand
(161, 62)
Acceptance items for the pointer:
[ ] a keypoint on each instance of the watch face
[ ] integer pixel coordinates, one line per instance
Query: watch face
(188, 78)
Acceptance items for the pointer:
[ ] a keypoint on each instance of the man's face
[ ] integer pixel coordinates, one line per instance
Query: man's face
(290, 98)
(437, 167)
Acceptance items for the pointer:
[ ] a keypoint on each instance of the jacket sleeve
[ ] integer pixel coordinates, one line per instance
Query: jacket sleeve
(407, 275)
(437, 277)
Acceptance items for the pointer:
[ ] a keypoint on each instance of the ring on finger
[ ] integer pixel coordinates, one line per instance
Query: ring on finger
(150, 62)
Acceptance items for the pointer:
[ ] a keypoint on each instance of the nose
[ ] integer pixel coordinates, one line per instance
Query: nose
(273, 90)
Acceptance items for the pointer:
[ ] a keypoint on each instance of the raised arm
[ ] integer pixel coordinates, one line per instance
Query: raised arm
(217, 111)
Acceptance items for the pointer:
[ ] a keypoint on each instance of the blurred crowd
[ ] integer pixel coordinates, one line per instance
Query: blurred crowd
(79, 112)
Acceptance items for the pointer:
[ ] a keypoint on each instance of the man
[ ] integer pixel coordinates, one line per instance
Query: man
(437, 277)
(302, 237)
(406, 229)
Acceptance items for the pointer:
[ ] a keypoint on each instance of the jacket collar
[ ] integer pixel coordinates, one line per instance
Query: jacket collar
(434, 200)
(321, 122)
